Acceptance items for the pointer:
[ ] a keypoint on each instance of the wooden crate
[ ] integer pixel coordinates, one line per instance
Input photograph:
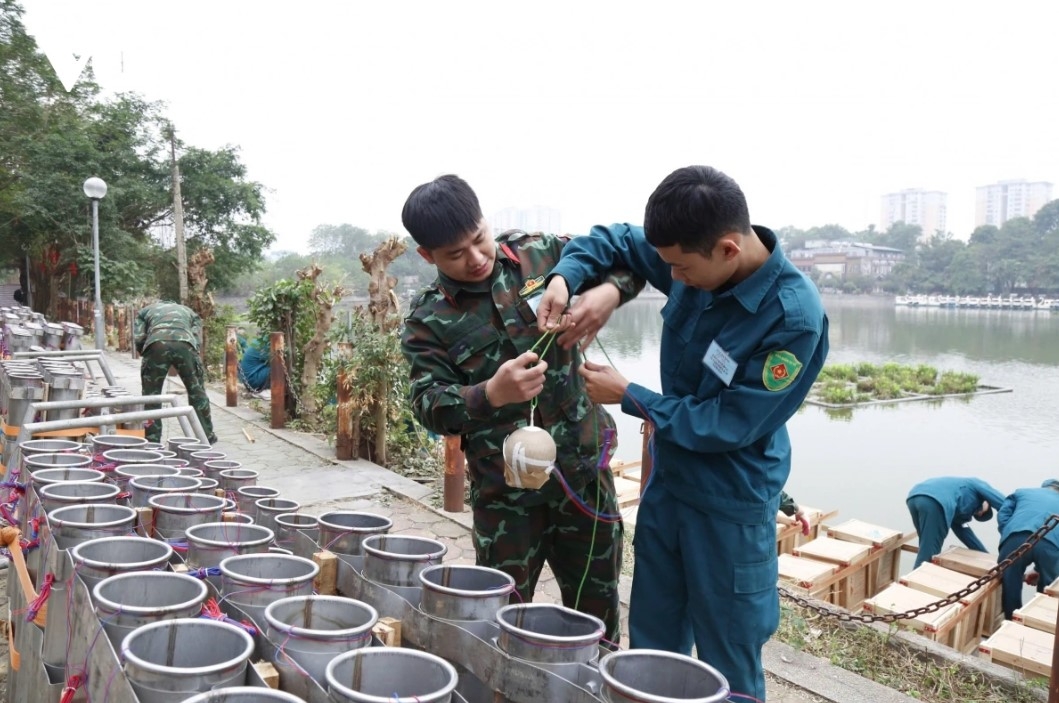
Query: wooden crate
(1021, 648)
(1052, 589)
(628, 492)
(944, 625)
(834, 551)
(981, 605)
(809, 576)
(865, 533)
(788, 537)
(966, 561)
(1040, 613)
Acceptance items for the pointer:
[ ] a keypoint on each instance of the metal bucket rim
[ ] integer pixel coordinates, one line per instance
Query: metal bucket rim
(226, 568)
(448, 590)
(299, 631)
(448, 688)
(29, 442)
(531, 635)
(45, 491)
(158, 503)
(41, 477)
(164, 468)
(137, 660)
(111, 606)
(189, 533)
(257, 504)
(77, 552)
(334, 526)
(367, 546)
(107, 453)
(59, 520)
(238, 465)
(222, 695)
(33, 460)
(241, 492)
(281, 519)
(224, 473)
(628, 691)
(135, 481)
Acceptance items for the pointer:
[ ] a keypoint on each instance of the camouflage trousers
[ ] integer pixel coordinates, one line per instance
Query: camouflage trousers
(154, 367)
(584, 554)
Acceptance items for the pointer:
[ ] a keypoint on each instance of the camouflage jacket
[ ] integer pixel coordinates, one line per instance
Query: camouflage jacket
(167, 322)
(457, 335)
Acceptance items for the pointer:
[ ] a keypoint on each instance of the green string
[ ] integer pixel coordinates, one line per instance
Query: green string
(550, 336)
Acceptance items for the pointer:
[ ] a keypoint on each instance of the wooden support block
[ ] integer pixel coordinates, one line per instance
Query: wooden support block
(219, 492)
(325, 582)
(145, 522)
(1021, 648)
(1040, 613)
(386, 634)
(180, 568)
(395, 625)
(268, 673)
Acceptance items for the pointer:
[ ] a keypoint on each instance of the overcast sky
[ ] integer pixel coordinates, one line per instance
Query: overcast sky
(817, 108)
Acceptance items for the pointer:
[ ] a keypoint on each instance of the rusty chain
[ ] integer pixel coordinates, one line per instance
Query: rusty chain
(937, 605)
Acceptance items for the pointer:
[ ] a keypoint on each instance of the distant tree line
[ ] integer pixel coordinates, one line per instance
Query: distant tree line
(52, 140)
(1021, 256)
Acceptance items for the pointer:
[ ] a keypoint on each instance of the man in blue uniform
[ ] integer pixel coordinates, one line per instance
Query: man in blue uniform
(949, 502)
(1024, 512)
(744, 337)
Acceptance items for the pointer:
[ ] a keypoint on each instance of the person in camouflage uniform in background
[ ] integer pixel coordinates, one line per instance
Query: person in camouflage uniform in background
(468, 340)
(168, 334)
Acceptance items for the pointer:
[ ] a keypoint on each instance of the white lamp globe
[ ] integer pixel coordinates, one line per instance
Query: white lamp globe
(95, 188)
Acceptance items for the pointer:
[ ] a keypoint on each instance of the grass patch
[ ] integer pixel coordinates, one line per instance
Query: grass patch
(888, 661)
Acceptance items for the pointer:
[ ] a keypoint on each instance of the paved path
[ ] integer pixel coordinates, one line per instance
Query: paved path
(302, 467)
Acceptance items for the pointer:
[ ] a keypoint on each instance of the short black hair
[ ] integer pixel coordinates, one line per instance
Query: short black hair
(442, 212)
(694, 207)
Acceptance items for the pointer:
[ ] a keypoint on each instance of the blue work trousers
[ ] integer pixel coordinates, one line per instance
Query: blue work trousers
(703, 579)
(1045, 558)
(929, 520)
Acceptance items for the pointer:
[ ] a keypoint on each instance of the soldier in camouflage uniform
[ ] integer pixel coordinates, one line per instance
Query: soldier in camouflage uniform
(468, 339)
(168, 334)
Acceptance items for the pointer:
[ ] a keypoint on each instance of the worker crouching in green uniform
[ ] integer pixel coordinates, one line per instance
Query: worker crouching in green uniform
(168, 334)
(468, 340)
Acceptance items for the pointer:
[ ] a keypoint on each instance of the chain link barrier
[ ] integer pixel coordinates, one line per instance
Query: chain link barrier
(993, 573)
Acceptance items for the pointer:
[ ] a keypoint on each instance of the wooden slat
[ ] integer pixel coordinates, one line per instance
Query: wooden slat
(1040, 613)
(1021, 648)
(966, 561)
(833, 551)
(865, 533)
(898, 599)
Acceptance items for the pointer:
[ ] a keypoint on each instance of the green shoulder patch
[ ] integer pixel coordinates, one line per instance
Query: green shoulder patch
(781, 368)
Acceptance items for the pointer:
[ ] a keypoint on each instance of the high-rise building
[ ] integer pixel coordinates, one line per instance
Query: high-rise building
(915, 206)
(532, 219)
(999, 202)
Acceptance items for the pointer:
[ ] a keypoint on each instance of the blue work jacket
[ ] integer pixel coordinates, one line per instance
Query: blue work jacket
(960, 498)
(721, 447)
(1026, 510)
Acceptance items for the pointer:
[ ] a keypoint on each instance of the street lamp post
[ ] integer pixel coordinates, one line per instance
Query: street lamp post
(95, 188)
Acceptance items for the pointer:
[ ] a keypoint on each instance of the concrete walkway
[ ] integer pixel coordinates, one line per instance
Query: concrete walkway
(303, 468)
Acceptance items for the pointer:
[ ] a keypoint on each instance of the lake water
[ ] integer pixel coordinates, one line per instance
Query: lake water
(863, 462)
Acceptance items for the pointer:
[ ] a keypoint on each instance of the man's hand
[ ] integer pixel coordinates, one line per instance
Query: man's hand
(553, 304)
(517, 380)
(800, 517)
(604, 384)
(589, 312)
(1032, 577)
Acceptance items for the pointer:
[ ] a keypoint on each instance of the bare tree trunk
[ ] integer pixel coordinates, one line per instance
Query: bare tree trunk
(383, 309)
(313, 353)
(199, 300)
